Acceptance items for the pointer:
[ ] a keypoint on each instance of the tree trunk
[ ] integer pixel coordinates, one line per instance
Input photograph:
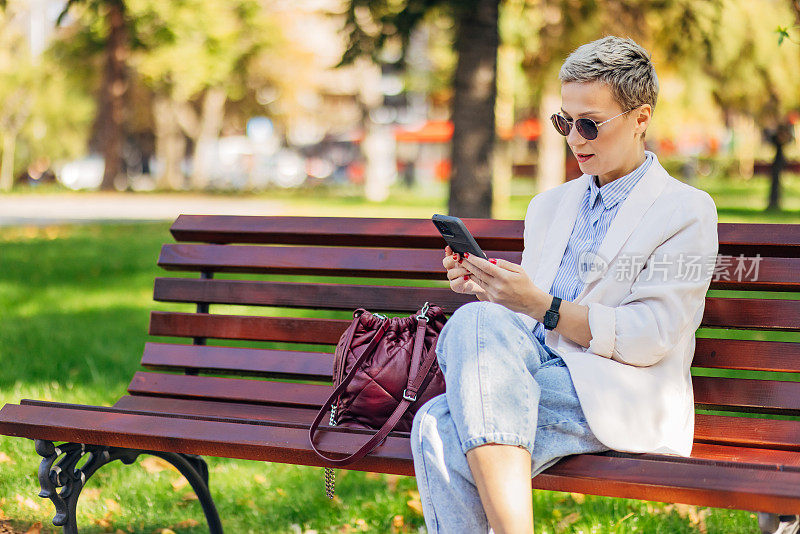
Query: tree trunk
(475, 89)
(504, 117)
(17, 109)
(775, 184)
(7, 164)
(551, 160)
(113, 90)
(208, 130)
(170, 144)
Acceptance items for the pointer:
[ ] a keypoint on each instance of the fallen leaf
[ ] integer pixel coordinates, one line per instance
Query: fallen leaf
(26, 501)
(186, 523)
(391, 481)
(154, 464)
(102, 522)
(6, 459)
(35, 528)
(397, 521)
(281, 492)
(112, 506)
(189, 496)
(261, 479)
(179, 483)
(119, 531)
(414, 503)
(567, 521)
(578, 497)
(372, 476)
(166, 531)
(361, 524)
(621, 519)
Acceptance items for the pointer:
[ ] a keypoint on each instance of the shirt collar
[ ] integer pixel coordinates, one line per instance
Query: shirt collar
(616, 191)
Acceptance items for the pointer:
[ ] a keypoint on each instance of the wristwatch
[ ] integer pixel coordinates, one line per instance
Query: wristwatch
(551, 316)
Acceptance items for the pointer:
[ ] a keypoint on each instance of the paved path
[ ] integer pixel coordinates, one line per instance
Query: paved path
(45, 209)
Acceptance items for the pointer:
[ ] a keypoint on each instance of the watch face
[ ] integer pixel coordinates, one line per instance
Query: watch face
(550, 319)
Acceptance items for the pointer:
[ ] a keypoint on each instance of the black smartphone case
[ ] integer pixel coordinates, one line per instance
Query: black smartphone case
(456, 235)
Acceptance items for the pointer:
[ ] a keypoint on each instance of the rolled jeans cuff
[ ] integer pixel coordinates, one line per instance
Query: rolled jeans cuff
(497, 438)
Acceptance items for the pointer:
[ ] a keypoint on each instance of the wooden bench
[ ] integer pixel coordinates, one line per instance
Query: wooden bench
(194, 399)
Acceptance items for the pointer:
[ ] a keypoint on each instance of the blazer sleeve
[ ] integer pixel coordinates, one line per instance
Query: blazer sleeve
(667, 296)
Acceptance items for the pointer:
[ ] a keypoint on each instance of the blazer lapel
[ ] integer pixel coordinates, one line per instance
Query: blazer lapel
(630, 212)
(558, 232)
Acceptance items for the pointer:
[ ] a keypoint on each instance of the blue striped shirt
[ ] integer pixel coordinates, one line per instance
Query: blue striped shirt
(597, 210)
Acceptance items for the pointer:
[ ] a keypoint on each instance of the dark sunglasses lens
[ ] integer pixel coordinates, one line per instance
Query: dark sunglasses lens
(560, 123)
(587, 128)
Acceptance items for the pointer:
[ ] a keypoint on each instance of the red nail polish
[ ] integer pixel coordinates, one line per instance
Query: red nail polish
(460, 260)
(455, 256)
(466, 277)
(466, 254)
(492, 260)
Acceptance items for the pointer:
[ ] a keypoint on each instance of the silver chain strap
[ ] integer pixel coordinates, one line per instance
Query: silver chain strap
(330, 475)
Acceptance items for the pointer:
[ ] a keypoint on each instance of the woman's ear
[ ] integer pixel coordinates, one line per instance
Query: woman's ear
(642, 115)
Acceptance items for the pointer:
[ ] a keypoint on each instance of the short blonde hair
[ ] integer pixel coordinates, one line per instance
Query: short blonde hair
(619, 62)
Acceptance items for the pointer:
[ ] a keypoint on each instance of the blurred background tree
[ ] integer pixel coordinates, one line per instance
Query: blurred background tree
(46, 111)
(370, 25)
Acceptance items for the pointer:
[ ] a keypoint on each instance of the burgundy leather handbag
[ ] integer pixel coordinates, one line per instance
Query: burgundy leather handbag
(384, 370)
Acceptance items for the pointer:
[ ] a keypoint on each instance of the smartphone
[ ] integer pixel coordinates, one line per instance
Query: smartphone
(456, 235)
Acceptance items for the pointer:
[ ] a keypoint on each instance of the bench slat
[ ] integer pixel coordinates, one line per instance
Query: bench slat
(235, 360)
(734, 394)
(781, 356)
(328, 261)
(747, 395)
(768, 239)
(229, 389)
(348, 231)
(773, 356)
(748, 432)
(304, 295)
(209, 408)
(255, 440)
(773, 274)
(287, 329)
(331, 296)
(686, 480)
(757, 314)
(710, 429)
(718, 486)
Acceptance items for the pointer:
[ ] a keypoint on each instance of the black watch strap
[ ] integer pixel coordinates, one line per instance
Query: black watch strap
(551, 316)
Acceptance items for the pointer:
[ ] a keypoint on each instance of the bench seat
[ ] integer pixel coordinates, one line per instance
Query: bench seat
(256, 402)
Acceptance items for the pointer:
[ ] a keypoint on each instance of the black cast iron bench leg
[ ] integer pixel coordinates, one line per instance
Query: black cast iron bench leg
(64, 474)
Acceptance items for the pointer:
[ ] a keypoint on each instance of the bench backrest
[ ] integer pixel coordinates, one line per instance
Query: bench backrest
(283, 290)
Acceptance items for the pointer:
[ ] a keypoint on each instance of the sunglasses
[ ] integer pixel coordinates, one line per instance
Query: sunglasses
(586, 127)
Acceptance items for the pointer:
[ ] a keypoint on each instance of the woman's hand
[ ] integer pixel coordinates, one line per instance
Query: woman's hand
(460, 279)
(508, 284)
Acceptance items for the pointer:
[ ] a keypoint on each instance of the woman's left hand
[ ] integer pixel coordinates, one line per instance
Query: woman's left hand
(505, 283)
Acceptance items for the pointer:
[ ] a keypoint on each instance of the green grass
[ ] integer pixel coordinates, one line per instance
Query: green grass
(74, 310)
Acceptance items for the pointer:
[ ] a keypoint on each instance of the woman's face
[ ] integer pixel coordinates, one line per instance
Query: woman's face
(618, 148)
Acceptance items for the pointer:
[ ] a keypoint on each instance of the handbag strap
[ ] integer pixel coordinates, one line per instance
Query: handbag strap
(417, 373)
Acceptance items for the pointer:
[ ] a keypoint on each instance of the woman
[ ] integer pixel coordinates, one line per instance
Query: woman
(587, 345)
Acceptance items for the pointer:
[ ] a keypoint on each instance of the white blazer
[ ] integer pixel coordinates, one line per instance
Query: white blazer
(645, 290)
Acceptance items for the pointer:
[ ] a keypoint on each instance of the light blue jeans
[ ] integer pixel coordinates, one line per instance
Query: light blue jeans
(503, 386)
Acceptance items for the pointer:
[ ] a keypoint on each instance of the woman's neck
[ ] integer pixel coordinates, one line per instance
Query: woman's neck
(627, 169)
